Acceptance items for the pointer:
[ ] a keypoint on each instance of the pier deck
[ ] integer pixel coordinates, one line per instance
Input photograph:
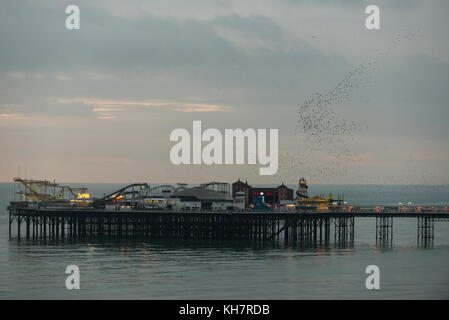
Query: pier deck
(316, 228)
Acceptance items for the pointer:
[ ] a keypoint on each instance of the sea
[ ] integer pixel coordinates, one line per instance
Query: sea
(160, 269)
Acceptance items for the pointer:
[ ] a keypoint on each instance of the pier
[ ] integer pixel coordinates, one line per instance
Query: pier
(310, 228)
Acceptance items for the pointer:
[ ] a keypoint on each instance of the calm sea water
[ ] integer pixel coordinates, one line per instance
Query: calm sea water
(146, 269)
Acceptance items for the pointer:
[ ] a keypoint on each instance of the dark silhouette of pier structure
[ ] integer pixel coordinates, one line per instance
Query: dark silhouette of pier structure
(304, 228)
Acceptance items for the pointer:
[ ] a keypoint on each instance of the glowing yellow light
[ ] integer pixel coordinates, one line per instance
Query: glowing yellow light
(83, 196)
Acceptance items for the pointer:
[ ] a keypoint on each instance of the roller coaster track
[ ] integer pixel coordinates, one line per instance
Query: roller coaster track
(121, 192)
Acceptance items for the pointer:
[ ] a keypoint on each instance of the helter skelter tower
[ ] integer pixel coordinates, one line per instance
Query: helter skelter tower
(302, 189)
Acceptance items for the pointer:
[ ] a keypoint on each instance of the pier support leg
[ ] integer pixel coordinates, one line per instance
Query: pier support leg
(27, 220)
(19, 220)
(44, 222)
(62, 228)
(10, 222)
(384, 230)
(426, 231)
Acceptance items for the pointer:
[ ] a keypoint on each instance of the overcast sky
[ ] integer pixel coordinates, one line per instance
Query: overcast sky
(98, 104)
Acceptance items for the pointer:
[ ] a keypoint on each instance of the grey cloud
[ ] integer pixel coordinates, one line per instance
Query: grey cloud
(239, 54)
(35, 37)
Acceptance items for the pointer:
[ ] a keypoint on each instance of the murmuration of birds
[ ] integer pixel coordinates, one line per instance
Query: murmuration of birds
(321, 129)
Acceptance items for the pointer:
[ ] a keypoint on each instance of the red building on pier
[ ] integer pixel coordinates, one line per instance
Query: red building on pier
(271, 195)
